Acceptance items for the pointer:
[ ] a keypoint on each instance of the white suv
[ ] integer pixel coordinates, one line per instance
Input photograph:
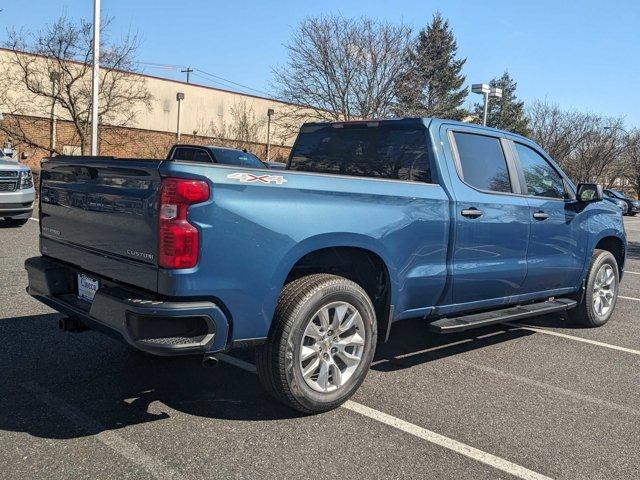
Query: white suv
(17, 192)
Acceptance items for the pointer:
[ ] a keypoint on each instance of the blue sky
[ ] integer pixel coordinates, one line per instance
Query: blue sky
(579, 54)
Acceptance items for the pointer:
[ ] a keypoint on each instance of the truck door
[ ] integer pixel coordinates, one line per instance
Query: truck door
(557, 244)
(491, 216)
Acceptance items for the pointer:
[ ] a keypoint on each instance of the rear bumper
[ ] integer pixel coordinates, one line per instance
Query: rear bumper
(154, 325)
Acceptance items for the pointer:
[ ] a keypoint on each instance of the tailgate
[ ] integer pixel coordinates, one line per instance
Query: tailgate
(101, 214)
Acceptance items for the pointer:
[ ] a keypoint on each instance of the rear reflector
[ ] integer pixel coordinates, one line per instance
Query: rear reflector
(179, 241)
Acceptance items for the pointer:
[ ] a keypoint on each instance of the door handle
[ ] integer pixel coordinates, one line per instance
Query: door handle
(540, 216)
(472, 212)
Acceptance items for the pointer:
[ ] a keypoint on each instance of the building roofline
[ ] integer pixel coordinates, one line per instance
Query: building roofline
(155, 77)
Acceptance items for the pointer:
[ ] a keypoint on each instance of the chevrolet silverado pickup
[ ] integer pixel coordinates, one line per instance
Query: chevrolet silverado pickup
(370, 223)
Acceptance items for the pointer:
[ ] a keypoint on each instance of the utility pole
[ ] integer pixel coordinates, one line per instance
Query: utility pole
(96, 77)
(187, 70)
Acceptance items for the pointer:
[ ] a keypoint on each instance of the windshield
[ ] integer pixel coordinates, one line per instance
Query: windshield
(386, 151)
(237, 157)
(615, 194)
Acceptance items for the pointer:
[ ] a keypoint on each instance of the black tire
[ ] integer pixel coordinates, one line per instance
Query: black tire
(16, 222)
(278, 361)
(585, 314)
(632, 214)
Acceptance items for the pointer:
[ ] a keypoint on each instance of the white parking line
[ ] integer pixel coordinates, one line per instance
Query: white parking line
(445, 442)
(544, 331)
(630, 298)
(34, 219)
(632, 273)
(422, 433)
(115, 442)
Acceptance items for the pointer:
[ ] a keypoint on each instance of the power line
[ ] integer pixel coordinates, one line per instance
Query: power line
(232, 82)
(210, 77)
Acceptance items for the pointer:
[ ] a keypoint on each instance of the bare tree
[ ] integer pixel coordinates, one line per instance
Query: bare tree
(53, 80)
(579, 142)
(341, 69)
(631, 160)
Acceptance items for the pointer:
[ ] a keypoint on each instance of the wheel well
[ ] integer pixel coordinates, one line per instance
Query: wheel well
(359, 265)
(615, 246)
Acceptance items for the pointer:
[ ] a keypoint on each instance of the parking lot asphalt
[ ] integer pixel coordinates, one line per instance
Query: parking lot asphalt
(543, 399)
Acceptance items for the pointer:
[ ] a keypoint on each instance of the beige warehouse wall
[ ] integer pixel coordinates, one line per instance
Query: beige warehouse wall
(205, 111)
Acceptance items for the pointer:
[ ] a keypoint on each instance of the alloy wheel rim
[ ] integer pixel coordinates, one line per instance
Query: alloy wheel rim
(332, 346)
(604, 290)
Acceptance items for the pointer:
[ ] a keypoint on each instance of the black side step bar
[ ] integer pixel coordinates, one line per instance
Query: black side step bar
(466, 322)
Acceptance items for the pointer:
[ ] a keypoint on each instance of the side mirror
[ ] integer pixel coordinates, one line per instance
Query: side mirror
(589, 192)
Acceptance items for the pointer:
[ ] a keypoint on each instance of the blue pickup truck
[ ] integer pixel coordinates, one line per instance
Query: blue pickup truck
(371, 222)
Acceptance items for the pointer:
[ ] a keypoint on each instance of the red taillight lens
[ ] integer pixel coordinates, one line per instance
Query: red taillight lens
(179, 241)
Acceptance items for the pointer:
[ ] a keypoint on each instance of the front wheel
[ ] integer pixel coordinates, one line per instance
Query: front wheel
(321, 343)
(601, 291)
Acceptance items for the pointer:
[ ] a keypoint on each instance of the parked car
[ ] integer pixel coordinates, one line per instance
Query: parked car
(622, 205)
(629, 206)
(214, 154)
(371, 223)
(17, 192)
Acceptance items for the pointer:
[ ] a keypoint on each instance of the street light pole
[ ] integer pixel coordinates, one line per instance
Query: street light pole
(55, 78)
(487, 92)
(179, 98)
(484, 90)
(96, 77)
(270, 113)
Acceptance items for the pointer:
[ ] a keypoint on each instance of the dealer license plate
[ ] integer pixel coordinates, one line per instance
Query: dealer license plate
(87, 287)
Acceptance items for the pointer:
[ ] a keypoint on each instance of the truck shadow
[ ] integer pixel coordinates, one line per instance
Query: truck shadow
(64, 385)
(633, 250)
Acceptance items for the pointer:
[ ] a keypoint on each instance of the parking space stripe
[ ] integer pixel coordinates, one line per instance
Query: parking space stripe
(34, 219)
(544, 331)
(580, 397)
(445, 442)
(629, 298)
(422, 433)
(112, 440)
(632, 273)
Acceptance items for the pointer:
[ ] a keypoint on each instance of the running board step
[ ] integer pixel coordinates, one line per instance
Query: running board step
(476, 320)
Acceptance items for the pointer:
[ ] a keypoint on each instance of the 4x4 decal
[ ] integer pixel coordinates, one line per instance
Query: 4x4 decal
(251, 178)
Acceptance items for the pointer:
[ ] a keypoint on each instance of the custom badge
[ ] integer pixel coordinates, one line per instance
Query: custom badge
(244, 177)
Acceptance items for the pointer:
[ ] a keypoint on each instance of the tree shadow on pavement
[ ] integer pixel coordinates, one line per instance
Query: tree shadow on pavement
(44, 371)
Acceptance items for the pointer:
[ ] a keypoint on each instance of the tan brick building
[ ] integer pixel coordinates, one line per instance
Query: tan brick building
(207, 115)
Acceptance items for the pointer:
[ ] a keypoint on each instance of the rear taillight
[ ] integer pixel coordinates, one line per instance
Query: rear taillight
(178, 239)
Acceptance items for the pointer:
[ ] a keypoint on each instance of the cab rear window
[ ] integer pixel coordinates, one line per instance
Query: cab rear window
(383, 151)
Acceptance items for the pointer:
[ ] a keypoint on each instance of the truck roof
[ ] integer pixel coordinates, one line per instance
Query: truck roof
(417, 121)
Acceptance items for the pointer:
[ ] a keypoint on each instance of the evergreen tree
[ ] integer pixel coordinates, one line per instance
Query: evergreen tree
(431, 85)
(506, 113)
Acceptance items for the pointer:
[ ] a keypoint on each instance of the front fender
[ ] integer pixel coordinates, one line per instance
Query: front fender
(602, 222)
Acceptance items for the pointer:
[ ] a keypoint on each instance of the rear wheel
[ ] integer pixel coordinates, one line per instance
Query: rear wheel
(16, 222)
(601, 291)
(321, 345)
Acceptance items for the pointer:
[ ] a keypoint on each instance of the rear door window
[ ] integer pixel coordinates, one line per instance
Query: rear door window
(541, 178)
(482, 162)
(384, 151)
